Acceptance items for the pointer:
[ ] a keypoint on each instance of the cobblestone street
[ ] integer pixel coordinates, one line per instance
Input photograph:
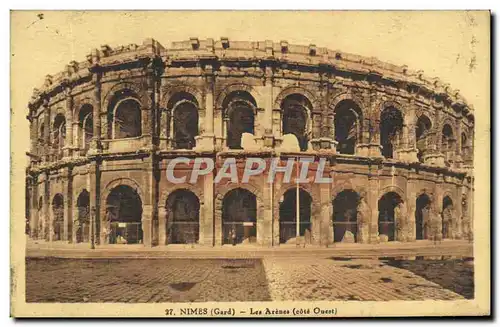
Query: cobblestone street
(198, 280)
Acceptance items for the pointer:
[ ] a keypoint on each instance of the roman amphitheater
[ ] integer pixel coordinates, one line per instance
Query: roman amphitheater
(398, 145)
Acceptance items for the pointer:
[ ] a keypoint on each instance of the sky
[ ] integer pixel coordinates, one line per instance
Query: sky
(453, 45)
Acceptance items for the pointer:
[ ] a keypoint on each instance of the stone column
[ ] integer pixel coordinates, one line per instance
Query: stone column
(157, 126)
(206, 142)
(218, 220)
(372, 195)
(34, 208)
(268, 109)
(317, 126)
(407, 150)
(411, 203)
(68, 222)
(75, 225)
(469, 156)
(164, 124)
(76, 136)
(259, 126)
(326, 212)
(457, 216)
(51, 222)
(435, 157)
(46, 131)
(34, 135)
(371, 147)
(400, 222)
(458, 149)
(327, 138)
(68, 141)
(169, 129)
(94, 188)
(162, 224)
(43, 214)
(267, 216)
(149, 200)
(207, 218)
(46, 207)
(148, 109)
(147, 224)
(435, 214)
(276, 185)
(95, 144)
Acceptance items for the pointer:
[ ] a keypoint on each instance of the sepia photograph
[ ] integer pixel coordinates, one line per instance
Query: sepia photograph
(250, 163)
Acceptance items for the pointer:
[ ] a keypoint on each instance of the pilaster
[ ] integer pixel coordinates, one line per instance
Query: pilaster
(68, 141)
(373, 195)
(147, 225)
(207, 223)
(162, 225)
(206, 141)
(46, 130)
(267, 217)
(95, 145)
(218, 219)
(325, 229)
(67, 212)
(268, 137)
(75, 225)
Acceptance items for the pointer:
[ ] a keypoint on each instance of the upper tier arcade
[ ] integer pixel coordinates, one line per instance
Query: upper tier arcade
(202, 95)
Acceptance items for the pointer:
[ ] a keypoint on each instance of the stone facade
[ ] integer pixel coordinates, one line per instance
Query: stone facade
(399, 146)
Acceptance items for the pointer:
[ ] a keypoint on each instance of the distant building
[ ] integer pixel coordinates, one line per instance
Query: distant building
(399, 147)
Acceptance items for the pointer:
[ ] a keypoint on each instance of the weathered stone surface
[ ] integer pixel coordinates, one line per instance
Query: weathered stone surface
(383, 238)
(348, 237)
(219, 109)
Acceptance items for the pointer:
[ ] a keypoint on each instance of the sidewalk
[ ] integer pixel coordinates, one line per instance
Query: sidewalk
(427, 249)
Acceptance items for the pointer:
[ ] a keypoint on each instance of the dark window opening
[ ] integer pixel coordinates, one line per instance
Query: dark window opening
(183, 217)
(345, 212)
(391, 126)
(288, 216)
(239, 217)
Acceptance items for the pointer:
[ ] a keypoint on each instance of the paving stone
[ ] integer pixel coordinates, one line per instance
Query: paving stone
(199, 280)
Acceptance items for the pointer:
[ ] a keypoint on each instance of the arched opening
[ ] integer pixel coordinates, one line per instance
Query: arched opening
(85, 127)
(447, 142)
(422, 222)
(391, 126)
(345, 211)
(295, 108)
(124, 215)
(447, 217)
(240, 109)
(239, 217)
(183, 217)
(386, 216)
(59, 134)
(58, 217)
(83, 219)
(288, 216)
(422, 132)
(124, 115)
(185, 120)
(348, 118)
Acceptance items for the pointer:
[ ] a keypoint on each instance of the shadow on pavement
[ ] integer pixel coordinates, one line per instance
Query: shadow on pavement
(456, 275)
(60, 280)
